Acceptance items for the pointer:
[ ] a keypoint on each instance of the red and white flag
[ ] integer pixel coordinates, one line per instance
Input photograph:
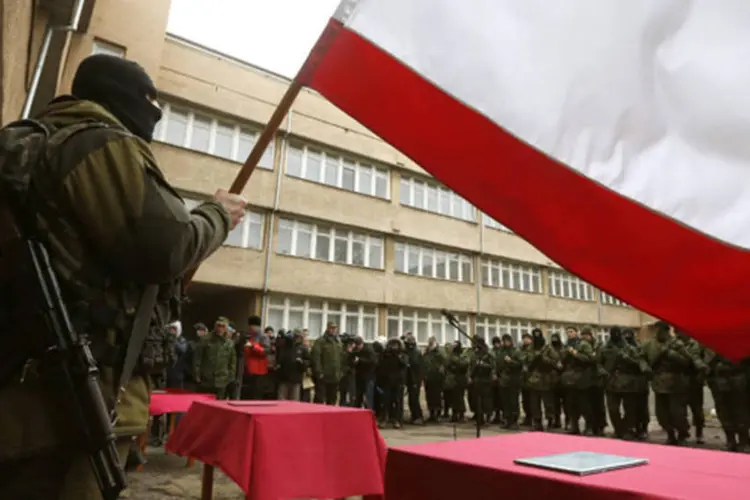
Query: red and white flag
(612, 135)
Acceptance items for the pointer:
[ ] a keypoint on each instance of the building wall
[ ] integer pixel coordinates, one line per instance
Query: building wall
(361, 216)
(19, 51)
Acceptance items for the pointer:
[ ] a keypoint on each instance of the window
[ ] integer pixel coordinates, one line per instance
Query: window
(567, 286)
(186, 128)
(501, 274)
(436, 199)
(423, 325)
(492, 326)
(431, 263)
(314, 241)
(314, 314)
(611, 300)
(101, 47)
(247, 234)
(490, 222)
(331, 169)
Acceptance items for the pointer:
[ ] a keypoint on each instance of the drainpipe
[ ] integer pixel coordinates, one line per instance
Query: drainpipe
(274, 212)
(44, 51)
(478, 270)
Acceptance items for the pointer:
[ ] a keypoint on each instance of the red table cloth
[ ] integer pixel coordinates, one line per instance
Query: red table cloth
(484, 468)
(282, 450)
(162, 403)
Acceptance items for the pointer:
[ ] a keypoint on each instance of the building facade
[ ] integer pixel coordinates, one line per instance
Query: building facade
(341, 226)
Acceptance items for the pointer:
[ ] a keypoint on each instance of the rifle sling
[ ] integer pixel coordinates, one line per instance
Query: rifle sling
(141, 327)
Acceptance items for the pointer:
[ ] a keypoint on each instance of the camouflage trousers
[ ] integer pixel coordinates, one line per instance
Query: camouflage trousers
(59, 476)
(732, 410)
(671, 413)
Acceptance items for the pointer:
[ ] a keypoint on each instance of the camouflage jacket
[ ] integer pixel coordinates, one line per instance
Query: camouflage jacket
(579, 366)
(112, 225)
(508, 372)
(456, 370)
(624, 365)
(725, 376)
(482, 367)
(541, 366)
(434, 365)
(215, 361)
(669, 361)
(327, 358)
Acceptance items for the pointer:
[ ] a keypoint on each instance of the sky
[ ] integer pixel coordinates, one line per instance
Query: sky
(276, 35)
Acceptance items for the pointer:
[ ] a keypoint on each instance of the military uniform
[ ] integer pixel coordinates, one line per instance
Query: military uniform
(728, 384)
(525, 394)
(394, 363)
(482, 370)
(447, 391)
(327, 357)
(509, 366)
(624, 365)
(497, 401)
(558, 393)
(697, 373)
(456, 379)
(596, 393)
(414, 375)
(215, 363)
(112, 224)
(541, 364)
(669, 361)
(578, 372)
(434, 380)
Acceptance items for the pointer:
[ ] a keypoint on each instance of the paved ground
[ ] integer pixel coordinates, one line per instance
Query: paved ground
(166, 477)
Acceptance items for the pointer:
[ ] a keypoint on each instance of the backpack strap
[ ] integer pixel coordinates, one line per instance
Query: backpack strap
(138, 334)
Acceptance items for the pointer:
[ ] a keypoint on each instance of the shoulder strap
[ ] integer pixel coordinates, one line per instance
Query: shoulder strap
(141, 325)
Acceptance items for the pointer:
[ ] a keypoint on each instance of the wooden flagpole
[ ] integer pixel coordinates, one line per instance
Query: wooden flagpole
(260, 147)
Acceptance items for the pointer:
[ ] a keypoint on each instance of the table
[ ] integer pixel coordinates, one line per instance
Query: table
(283, 449)
(484, 468)
(170, 402)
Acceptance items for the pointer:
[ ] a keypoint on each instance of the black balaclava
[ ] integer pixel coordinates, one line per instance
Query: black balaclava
(508, 340)
(629, 335)
(555, 340)
(122, 87)
(538, 338)
(615, 335)
(662, 331)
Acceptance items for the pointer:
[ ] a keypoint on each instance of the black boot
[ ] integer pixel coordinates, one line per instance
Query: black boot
(743, 441)
(731, 439)
(671, 437)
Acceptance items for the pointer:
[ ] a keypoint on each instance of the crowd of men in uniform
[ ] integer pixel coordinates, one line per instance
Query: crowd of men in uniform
(575, 385)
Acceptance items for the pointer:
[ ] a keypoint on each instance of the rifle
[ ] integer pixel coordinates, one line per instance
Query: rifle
(64, 358)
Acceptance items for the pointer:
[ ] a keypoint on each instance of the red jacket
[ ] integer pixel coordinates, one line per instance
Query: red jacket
(256, 359)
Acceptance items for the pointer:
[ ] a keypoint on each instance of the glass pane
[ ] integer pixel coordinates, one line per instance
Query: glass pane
(294, 161)
(413, 260)
(455, 205)
(432, 204)
(381, 185)
(440, 264)
(331, 170)
(536, 283)
(582, 290)
(400, 258)
(405, 191)
(418, 194)
(506, 277)
(176, 127)
(315, 304)
(496, 277)
(527, 282)
(255, 230)
(516, 274)
(358, 250)
(296, 319)
(340, 250)
(392, 328)
(234, 238)
(304, 241)
(422, 332)
(427, 263)
(247, 141)
(314, 165)
(369, 310)
(365, 179)
(275, 318)
(445, 202)
(347, 176)
(453, 267)
(284, 240)
(201, 132)
(323, 244)
(376, 254)
(485, 275)
(407, 325)
(352, 324)
(368, 328)
(466, 273)
(314, 323)
(224, 141)
(296, 303)
(266, 161)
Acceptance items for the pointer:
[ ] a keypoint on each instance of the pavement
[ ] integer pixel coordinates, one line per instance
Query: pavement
(166, 477)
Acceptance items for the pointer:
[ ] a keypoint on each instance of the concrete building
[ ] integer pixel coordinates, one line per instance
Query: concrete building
(342, 226)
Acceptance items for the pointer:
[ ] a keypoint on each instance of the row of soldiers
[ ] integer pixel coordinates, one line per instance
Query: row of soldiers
(583, 380)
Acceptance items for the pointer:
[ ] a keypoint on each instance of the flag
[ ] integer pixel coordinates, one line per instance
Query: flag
(614, 136)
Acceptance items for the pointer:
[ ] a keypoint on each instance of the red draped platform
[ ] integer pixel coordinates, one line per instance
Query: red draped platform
(275, 449)
(175, 402)
(483, 468)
